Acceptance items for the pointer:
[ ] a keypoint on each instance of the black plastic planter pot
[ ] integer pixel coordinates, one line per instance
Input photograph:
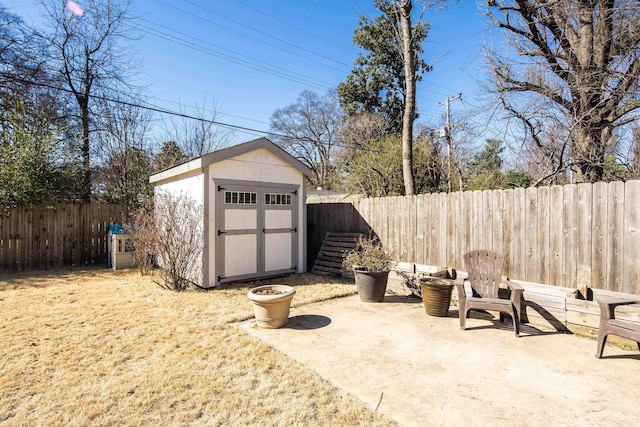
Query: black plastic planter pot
(371, 286)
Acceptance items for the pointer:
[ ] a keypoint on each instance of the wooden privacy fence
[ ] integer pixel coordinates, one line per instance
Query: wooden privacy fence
(55, 236)
(571, 236)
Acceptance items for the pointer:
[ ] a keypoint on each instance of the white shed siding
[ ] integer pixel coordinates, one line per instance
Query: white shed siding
(192, 186)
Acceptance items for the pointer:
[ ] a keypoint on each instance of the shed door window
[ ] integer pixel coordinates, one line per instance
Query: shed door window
(277, 199)
(240, 198)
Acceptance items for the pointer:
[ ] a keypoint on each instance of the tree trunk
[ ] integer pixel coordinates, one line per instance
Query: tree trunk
(590, 153)
(86, 165)
(410, 97)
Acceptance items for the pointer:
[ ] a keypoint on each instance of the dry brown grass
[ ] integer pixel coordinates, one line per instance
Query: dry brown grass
(96, 347)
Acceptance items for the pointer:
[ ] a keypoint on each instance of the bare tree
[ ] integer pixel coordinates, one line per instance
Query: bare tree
(123, 176)
(358, 131)
(633, 156)
(308, 130)
(199, 135)
(579, 66)
(87, 50)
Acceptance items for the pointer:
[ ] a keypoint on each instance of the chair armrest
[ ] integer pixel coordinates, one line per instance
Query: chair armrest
(513, 286)
(516, 291)
(608, 306)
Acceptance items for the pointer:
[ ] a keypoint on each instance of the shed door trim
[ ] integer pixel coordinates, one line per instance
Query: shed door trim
(270, 212)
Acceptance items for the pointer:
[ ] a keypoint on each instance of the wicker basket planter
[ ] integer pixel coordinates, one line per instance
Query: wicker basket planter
(271, 305)
(436, 295)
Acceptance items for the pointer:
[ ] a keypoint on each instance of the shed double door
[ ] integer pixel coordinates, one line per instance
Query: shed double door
(256, 231)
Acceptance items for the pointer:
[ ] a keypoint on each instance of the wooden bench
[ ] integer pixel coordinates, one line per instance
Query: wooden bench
(610, 325)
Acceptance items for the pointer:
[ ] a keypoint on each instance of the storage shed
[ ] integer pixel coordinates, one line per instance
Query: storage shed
(254, 210)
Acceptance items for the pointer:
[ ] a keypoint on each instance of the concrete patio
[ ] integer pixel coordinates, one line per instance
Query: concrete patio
(421, 370)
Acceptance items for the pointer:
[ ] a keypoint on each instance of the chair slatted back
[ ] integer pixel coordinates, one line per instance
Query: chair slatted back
(485, 271)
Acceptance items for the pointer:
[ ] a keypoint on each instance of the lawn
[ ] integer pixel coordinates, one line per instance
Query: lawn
(97, 347)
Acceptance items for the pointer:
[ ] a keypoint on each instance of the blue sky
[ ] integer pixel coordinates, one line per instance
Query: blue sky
(254, 56)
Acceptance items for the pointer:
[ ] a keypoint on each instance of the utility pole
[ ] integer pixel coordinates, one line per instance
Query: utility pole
(447, 134)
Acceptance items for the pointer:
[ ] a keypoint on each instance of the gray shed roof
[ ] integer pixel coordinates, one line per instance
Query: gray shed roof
(227, 153)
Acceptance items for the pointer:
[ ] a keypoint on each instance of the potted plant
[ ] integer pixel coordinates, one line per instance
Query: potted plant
(370, 263)
(271, 304)
(434, 289)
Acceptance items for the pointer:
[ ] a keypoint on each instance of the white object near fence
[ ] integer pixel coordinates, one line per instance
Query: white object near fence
(119, 247)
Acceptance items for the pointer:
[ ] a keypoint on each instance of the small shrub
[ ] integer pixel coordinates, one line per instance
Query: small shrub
(172, 235)
(410, 282)
(143, 232)
(368, 255)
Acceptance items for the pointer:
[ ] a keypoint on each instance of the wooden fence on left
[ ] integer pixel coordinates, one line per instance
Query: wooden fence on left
(39, 238)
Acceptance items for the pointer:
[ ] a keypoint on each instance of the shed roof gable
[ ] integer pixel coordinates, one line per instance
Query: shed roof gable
(228, 153)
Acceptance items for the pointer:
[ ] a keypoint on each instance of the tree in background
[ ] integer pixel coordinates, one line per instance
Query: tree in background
(377, 82)
(123, 176)
(170, 155)
(411, 59)
(87, 53)
(307, 130)
(633, 155)
(370, 159)
(33, 168)
(429, 166)
(385, 79)
(485, 169)
(20, 53)
(35, 165)
(374, 171)
(516, 178)
(196, 137)
(580, 75)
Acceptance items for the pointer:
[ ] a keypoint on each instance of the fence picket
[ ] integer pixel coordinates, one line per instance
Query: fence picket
(569, 255)
(542, 230)
(631, 266)
(600, 235)
(615, 237)
(49, 237)
(584, 212)
(571, 236)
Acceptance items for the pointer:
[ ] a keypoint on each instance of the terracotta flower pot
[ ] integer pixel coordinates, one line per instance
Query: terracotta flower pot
(271, 304)
(371, 285)
(436, 295)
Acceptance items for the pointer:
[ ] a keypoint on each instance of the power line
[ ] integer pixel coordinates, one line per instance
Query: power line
(149, 107)
(294, 26)
(154, 108)
(208, 110)
(316, 84)
(242, 24)
(259, 40)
